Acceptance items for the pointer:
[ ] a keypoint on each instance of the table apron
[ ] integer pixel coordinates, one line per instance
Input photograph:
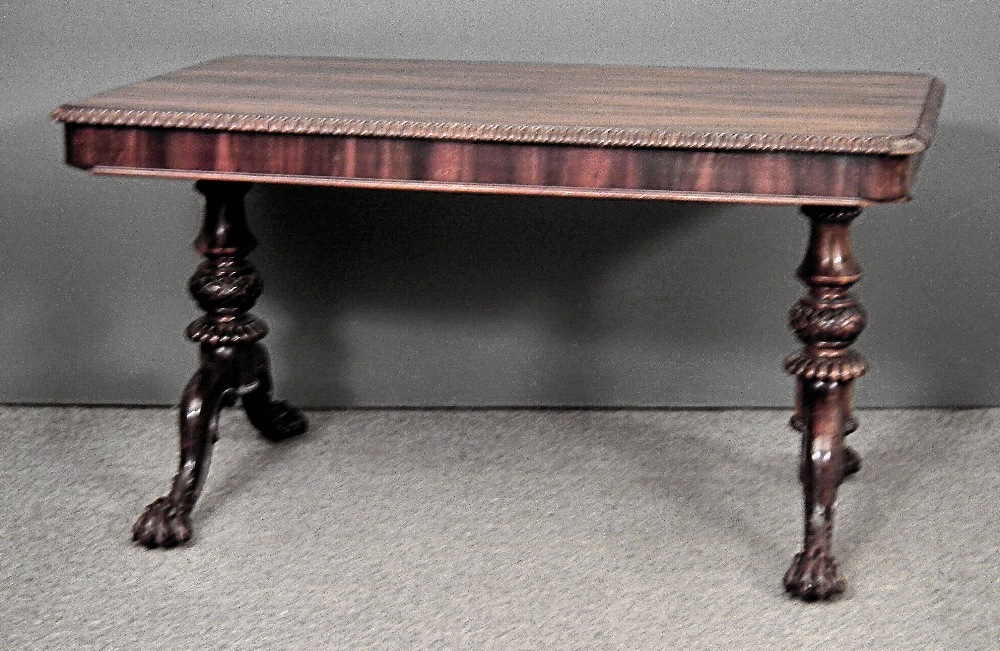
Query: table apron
(778, 177)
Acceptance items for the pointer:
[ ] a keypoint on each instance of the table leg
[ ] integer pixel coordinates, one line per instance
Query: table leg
(233, 363)
(827, 320)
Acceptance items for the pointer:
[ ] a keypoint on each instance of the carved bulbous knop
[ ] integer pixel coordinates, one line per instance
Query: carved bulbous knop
(827, 323)
(225, 286)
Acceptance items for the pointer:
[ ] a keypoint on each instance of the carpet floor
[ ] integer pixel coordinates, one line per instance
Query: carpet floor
(496, 529)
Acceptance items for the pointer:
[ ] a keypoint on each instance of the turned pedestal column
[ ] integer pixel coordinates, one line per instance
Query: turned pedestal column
(234, 365)
(827, 321)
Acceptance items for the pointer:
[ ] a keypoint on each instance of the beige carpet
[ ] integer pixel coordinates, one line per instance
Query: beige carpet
(495, 529)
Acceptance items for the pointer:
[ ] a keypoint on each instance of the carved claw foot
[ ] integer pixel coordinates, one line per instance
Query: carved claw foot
(162, 524)
(276, 420)
(813, 575)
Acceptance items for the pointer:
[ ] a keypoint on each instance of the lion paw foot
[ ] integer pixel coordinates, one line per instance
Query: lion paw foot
(813, 575)
(278, 420)
(162, 524)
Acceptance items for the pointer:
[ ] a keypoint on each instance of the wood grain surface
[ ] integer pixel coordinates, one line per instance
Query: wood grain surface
(455, 166)
(708, 134)
(619, 106)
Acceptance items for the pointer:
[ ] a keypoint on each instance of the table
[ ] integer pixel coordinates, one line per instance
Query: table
(830, 142)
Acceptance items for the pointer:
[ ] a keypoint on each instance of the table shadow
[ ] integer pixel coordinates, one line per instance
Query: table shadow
(329, 255)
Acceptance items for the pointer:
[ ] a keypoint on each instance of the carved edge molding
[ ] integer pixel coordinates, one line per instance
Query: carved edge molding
(246, 329)
(805, 365)
(537, 134)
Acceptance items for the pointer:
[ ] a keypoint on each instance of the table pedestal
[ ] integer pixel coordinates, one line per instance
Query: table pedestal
(827, 320)
(234, 365)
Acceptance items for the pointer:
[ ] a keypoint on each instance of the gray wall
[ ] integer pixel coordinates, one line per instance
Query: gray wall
(424, 299)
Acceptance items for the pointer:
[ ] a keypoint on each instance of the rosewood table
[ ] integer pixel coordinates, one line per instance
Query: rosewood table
(829, 142)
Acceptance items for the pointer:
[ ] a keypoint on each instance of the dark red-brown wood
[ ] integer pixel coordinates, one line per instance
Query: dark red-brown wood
(698, 134)
(745, 176)
(831, 141)
(827, 321)
(233, 363)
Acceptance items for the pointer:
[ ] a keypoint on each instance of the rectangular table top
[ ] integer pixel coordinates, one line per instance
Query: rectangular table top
(339, 105)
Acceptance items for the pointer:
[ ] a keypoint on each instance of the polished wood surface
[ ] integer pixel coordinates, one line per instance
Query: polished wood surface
(790, 177)
(595, 105)
(699, 134)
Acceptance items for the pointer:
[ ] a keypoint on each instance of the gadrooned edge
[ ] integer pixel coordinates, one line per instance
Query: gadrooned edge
(527, 134)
